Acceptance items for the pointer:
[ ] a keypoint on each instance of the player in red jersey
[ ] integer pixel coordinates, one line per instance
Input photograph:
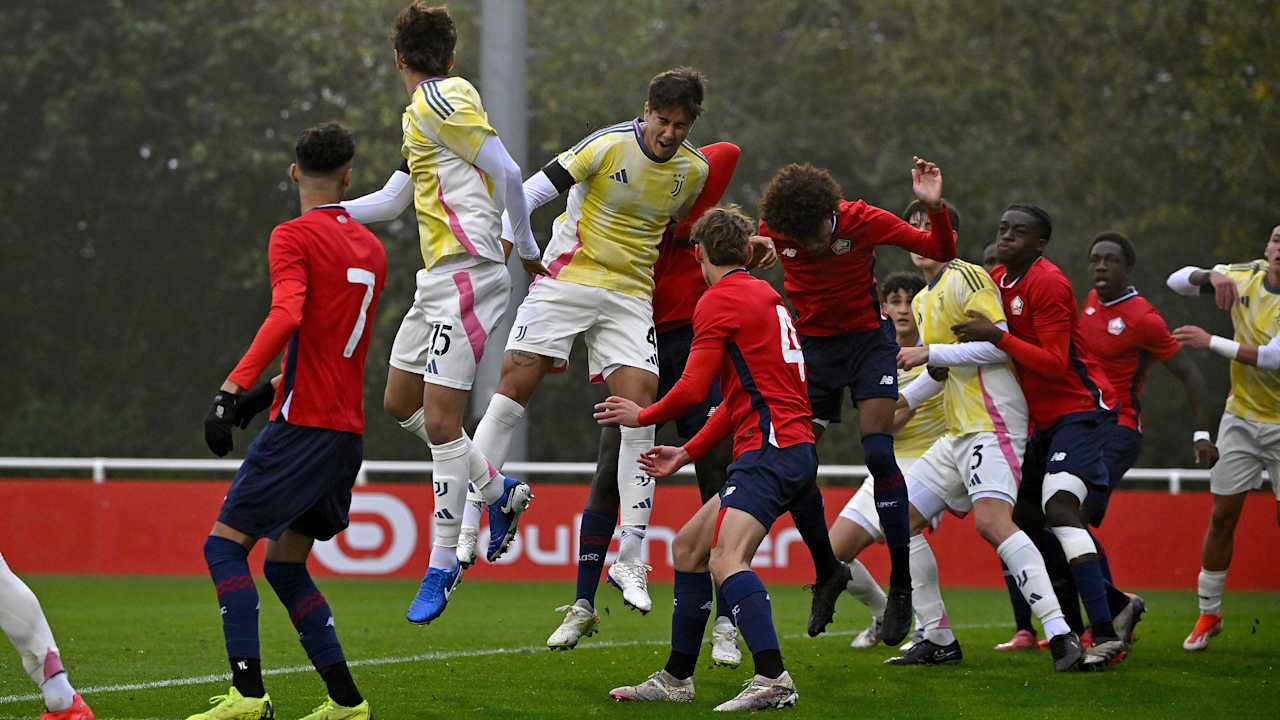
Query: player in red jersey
(1072, 409)
(827, 247)
(743, 333)
(294, 486)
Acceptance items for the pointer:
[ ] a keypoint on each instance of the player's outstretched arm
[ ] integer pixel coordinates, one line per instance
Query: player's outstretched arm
(1192, 281)
(384, 204)
(1192, 380)
(494, 160)
(1265, 357)
(663, 460)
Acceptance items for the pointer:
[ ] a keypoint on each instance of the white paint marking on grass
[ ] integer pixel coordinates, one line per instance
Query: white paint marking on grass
(440, 655)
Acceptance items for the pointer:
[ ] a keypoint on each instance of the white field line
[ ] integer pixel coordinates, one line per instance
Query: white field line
(395, 660)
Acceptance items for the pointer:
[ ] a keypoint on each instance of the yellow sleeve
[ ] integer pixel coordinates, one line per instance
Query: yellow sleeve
(451, 113)
(1241, 272)
(584, 159)
(985, 301)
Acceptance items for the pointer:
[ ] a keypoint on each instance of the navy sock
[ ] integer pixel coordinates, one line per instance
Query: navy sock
(1102, 558)
(1021, 610)
(750, 602)
(722, 605)
(891, 503)
(593, 543)
(688, 621)
(811, 522)
(342, 688)
(228, 563)
(308, 611)
(1093, 592)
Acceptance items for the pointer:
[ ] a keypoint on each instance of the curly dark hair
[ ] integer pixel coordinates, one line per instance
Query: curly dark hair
(723, 232)
(917, 207)
(425, 38)
(798, 200)
(911, 282)
(681, 88)
(1040, 214)
(324, 149)
(1126, 247)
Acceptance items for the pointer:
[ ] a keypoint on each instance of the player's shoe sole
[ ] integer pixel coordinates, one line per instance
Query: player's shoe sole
(1206, 627)
(1127, 619)
(632, 580)
(763, 693)
(234, 706)
(504, 516)
(1103, 655)
(724, 645)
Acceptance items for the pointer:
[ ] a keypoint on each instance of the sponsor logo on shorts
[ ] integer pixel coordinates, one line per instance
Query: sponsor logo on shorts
(1058, 457)
(729, 490)
(886, 379)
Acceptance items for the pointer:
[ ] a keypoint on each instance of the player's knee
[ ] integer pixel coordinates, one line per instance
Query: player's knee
(1222, 521)
(994, 528)
(442, 430)
(398, 405)
(878, 451)
(685, 553)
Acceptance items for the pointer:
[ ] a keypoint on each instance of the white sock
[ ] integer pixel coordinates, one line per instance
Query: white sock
(24, 622)
(449, 483)
(630, 542)
(472, 510)
(416, 425)
(444, 558)
(1209, 586)
(493, 434)
(866, 589)
(926, 592)
(482, 474)
(1027, 567)
(635, 488)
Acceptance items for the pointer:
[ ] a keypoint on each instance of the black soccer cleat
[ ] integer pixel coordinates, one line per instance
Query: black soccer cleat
(1101, 656)
(1066, 651)
(927, 652)
(896, 622)
(825, 593)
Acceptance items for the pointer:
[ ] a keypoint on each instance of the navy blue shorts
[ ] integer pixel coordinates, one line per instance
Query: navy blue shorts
(1073, 445)
(765, 483)
(865, 362)
(1124, 444)
(294, 478)
(673, 354)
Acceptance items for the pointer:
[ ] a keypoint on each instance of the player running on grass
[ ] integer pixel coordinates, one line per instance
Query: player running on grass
(459, 177)
(26, 627)
(743, 333)
(1249, 434)
(827, 248)
(1072, 409)
(294, 486)
(626, 182)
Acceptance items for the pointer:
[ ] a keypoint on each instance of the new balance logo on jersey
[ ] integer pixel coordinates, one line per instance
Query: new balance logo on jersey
(1058, 457)
(886, 379)
(620, 176)
(788, 252)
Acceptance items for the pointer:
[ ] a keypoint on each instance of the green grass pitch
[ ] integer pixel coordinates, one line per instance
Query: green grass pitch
(484, 657)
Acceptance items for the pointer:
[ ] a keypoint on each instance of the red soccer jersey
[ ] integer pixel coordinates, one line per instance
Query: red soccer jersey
(327, 271)
(1125, 335)
(834, 293)
(1057, 373)
(742, 319)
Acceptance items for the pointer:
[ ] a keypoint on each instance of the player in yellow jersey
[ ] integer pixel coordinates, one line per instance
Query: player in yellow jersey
(1249, 434)
(977, 465)
(459, 177)
(857, 527)
(626, 182)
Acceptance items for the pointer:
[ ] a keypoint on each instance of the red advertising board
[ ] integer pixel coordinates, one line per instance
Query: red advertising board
(127, 527)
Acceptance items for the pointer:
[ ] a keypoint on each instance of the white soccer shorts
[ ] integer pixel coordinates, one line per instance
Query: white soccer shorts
(861, 508)
(617, 328)
(1245, 448)
(958, 470)
(442, 336)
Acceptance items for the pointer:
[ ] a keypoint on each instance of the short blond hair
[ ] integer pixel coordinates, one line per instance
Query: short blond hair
(724, 234)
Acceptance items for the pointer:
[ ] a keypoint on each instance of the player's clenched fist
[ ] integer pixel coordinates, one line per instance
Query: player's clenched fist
(218, 423)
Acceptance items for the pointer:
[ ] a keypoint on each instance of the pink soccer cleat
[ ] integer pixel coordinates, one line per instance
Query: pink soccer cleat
(1021, 640)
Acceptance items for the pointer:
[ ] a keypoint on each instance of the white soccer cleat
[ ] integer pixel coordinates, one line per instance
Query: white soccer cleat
(724, 644)
(661, 686)
(762, 693)
(868, 638)
(580, 620)
(633, 580)
(467, 537)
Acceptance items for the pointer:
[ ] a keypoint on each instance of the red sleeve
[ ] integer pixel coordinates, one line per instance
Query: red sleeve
(288, 291)
(1154, 336)
(690, 390)
(1053, 314)
(882, 227)
(722, 159)
(716, 429)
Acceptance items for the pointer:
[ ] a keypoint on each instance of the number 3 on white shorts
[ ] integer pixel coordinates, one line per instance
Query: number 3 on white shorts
(359, 276)
(791, 352)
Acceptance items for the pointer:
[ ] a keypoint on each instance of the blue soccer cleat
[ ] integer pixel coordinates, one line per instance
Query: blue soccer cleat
(503, 515)
(433, 595)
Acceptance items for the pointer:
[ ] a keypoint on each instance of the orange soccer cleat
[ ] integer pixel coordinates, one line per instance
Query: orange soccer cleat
(77, 711)
(1206, 627)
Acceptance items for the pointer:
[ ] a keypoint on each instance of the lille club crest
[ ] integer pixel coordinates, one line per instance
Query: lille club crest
(1015, 305)
(1116, 326)
(841, 246)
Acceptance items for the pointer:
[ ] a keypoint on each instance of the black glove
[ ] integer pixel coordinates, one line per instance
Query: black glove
(218, 423)
(253, 402)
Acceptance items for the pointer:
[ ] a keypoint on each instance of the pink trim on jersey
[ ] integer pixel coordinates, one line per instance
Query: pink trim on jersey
(558, 264)
(466, 303)
(454, 223)
(1002, 433)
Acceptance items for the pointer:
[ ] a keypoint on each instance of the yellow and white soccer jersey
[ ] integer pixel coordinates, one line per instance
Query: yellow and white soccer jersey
(981, 398)
(618, 208)
(927, 424)
(1255, 393)
(459, 218)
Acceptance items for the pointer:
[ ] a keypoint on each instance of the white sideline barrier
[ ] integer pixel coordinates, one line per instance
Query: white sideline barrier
(99, 466)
